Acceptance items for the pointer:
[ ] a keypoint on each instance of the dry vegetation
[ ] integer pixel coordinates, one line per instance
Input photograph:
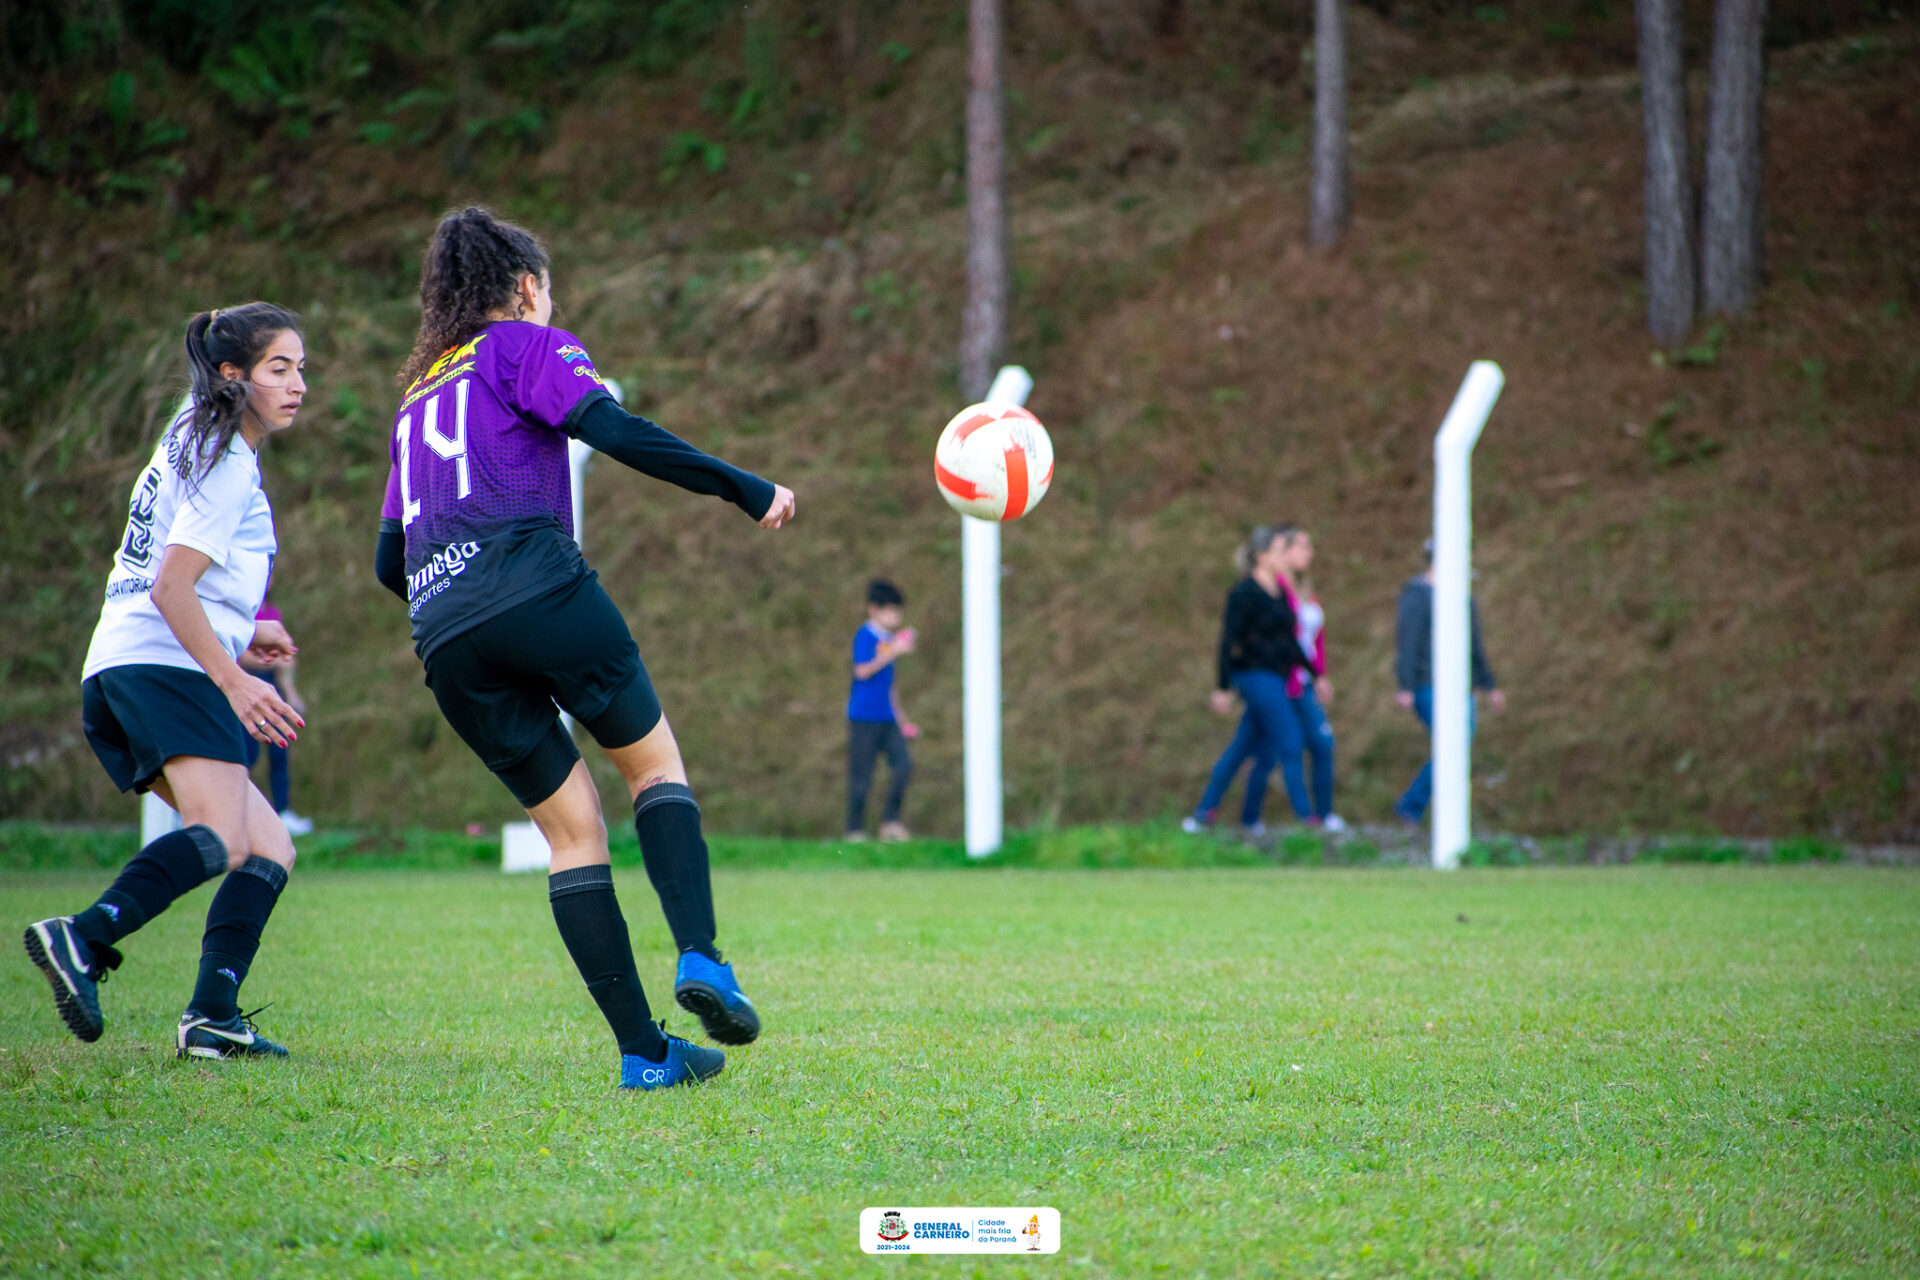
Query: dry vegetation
(1701, 574)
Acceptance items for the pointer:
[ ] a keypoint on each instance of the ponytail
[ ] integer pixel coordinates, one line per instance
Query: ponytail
(472, 267)
(235, 336)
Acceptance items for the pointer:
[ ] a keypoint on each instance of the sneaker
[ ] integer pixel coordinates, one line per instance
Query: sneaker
(295, 824)
(855, 837)
(75, 968)
(894, 833)
(1334, 822)
(202, 1037)
(1195, 826)
(1254, 830)
(707, 990)
(685, 1063)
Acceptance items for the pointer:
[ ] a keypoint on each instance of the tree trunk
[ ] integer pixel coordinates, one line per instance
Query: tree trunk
(1669, 188)
(1730, 207)
(1328, 220)
(983, 327)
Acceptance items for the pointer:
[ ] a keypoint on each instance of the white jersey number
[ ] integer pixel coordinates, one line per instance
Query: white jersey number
(452, 447)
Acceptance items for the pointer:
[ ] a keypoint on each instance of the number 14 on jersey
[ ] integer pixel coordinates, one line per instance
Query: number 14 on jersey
(452, 447)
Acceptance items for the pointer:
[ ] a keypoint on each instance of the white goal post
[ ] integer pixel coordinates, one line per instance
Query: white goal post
(522, 847)
(980, 653)
(1452, 610)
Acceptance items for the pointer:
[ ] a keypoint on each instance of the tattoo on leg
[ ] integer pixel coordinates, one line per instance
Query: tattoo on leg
(654, 781)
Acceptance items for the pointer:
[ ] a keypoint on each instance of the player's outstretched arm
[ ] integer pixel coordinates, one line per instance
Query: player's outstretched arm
(652, 450)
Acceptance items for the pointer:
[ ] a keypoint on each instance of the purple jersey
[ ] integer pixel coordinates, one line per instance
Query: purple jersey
(480, 483)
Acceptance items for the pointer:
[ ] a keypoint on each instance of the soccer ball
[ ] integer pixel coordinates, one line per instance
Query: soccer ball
(994, 461)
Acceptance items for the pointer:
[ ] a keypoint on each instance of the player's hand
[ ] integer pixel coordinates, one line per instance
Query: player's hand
(909, 730)
(258, 704)
(1403, 700)
(1497, 699)
(904, 640)
(1221, 701)
(782, 509)
(271, 645)
(1323, 687)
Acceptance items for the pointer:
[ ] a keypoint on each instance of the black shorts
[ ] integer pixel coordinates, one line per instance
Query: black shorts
(137, 718)
(497, 685)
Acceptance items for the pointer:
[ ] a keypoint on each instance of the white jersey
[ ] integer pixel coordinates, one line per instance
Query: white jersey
(227, 517)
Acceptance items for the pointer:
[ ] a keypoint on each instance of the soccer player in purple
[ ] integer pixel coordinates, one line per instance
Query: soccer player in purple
(477, 537)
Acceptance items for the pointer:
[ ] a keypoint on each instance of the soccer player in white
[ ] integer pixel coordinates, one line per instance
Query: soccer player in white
(164, 702)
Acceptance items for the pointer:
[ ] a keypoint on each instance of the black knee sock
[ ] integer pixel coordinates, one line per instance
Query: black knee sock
(234, 923)
(169, 867)
(668, 823)
(596, 936)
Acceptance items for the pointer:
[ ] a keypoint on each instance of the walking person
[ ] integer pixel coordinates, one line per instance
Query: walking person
(1259, 651)
(476, 534)
(279, 770)
(165, 703)
(875, 723)
(1308, 688)
(1413, 670)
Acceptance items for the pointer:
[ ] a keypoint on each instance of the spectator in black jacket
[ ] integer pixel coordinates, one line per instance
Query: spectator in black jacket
(1413, 669)
(1259, 651)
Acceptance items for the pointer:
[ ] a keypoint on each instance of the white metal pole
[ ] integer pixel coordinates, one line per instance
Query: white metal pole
(579, 458)
(1452, 627)
(522, 847)
(980, 653)
(156, 819)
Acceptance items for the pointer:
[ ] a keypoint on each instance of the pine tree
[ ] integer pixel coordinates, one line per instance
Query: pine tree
(1669, 183)
(983, 327)
(1328, 217)
(1730, 207)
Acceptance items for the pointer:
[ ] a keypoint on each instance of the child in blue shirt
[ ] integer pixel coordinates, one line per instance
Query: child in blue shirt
(874, 720)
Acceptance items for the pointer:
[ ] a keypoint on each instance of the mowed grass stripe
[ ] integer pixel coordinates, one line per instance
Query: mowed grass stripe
(1659, 1071)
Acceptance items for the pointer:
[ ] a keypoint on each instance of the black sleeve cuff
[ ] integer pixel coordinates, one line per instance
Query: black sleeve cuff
(390, 558)
(570, 425)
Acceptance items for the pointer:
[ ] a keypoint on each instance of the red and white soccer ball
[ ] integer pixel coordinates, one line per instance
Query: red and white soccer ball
(994, 461)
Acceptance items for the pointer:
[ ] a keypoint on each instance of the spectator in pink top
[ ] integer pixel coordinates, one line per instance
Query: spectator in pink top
(278, 776)
(1308, 688)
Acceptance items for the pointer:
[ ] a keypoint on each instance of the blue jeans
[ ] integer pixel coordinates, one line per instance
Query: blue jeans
(1269, 733)
(1317, 735)
(1413, 805)
(277, 774)
(278, 777)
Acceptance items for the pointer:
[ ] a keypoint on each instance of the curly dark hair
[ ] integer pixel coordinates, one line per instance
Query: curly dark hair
(473, 265)
(227, 335)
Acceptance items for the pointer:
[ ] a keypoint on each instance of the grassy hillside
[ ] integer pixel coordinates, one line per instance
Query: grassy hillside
(1700, 569)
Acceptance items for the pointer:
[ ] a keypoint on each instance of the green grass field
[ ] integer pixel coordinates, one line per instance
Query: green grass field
(1701, 1071)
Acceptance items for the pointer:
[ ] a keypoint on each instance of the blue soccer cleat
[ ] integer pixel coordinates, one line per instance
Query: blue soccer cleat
(707, 990)
(684, 1064)
(74, 968)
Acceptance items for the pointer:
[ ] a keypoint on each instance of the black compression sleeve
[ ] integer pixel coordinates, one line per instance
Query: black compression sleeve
(600, 422)
(390, 558)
